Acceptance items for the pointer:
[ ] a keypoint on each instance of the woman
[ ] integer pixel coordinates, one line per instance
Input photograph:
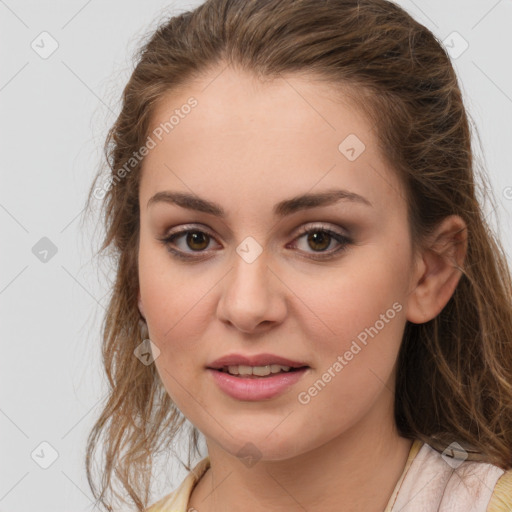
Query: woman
(303, 269)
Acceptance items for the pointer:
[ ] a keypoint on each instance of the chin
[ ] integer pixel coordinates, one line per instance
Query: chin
(253, 446)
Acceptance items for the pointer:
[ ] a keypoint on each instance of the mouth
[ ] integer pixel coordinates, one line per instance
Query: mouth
(258, 372)
(247, 385)
(259, 365)
(256, 377)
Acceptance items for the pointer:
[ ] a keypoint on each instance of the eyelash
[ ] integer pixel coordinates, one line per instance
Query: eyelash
(345, 241)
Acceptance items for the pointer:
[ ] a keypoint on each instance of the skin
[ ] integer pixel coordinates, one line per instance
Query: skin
(248, 145)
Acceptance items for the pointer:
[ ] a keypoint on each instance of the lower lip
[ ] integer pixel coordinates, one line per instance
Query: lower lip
(256, 388)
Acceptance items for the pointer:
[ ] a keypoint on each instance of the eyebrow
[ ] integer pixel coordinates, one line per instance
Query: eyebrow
(281, 209)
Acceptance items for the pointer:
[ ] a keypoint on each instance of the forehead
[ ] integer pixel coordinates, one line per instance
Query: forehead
(273, 138)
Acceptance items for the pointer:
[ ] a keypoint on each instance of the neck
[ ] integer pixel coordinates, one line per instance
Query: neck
(357, 470)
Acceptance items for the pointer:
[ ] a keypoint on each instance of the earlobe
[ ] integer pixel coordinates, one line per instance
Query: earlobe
(439, 271)
(141, 307)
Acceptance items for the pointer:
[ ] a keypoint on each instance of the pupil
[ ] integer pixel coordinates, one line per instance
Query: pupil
(314, 237)
(194, 236)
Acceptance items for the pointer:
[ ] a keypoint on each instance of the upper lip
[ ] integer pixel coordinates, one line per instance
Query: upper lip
(255, 360)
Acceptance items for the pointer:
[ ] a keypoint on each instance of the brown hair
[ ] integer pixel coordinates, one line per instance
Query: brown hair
(454, 374)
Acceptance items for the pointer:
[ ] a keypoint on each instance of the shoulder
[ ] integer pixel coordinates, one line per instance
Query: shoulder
(177, 500)
(446, 481)
(501, 500)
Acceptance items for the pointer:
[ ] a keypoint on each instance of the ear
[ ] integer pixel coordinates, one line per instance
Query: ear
(436, 274)
(141, 307)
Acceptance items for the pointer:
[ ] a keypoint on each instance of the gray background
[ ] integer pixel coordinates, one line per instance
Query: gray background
(55, 112)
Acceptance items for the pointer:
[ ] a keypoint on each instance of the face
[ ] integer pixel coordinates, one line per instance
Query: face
(320, 282)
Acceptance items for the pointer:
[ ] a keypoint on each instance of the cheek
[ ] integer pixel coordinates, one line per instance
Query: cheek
(352, 297)
(355, 356)
(158, 283)
(175, 322)
(356, 312)
(176, 305)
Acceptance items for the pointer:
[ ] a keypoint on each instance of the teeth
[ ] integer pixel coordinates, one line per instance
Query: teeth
(260, 371)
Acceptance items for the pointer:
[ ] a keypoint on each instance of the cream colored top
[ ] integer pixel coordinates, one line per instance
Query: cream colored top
(429, 483)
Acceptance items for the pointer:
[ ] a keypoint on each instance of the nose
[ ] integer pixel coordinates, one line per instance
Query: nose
(253, 298)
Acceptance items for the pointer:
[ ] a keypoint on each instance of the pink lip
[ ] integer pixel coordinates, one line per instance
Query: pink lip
(256, 360)
(255, 388)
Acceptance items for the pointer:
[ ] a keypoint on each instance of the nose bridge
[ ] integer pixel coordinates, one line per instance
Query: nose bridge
(250, 293)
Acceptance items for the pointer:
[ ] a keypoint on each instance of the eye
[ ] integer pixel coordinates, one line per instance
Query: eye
(195, 239)
(318, 237)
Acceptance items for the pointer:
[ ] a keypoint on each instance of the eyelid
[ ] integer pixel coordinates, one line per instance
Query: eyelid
(184, 228)
(305, 228)
(343, 240)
